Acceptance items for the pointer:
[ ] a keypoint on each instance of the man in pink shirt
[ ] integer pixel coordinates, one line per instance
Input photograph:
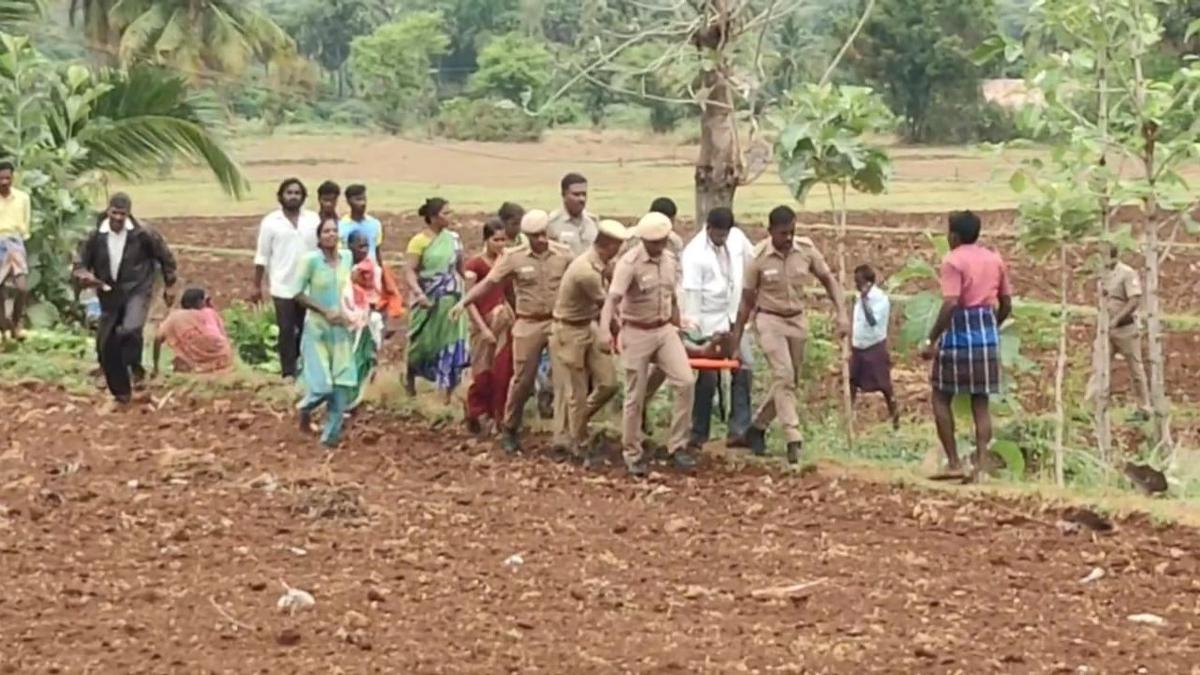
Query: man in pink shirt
(964, 342)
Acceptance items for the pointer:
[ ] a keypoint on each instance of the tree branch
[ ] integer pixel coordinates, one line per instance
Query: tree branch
(604, 59)
(862, 21)
(1176, 220)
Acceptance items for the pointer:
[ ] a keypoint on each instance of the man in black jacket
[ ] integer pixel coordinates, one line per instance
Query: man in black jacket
(119, 259)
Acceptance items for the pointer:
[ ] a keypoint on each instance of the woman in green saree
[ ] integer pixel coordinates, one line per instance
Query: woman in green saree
(437, 344)
(326, 346)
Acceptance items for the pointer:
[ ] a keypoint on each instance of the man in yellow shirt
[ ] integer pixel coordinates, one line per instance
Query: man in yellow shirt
(16, 215)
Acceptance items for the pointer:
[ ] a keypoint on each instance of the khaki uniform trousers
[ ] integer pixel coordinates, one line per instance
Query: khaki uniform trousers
(641, 349)
(578, 354)
(782, 343)
(529, 338)
(1127, 342)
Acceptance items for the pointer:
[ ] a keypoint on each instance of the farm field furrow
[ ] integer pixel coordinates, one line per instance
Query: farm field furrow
(159, 540)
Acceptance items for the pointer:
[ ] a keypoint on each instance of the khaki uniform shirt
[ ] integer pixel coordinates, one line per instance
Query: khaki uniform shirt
(780, 280)
(1121, 284)
(648, 286)
(577, 233)
(582, 292)
(535, 278)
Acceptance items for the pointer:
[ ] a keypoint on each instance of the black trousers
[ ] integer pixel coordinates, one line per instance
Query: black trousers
(289, 316)
(119, 344)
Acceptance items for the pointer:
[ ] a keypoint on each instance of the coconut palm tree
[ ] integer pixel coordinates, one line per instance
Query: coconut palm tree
(147, 117)
(197, 37)
(16, 13)
(67, 127)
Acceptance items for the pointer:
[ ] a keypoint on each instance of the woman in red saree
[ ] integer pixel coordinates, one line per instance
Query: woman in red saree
(491, 339)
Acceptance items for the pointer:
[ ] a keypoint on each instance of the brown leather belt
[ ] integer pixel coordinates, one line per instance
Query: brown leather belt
(575, 323)
(646, 325)
(535, 317)
(782, 315)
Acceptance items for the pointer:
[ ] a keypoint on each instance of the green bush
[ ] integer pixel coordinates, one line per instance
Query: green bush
(996, 124)
(970, 122)
(253, 333)
(353, 112)
(486, 120)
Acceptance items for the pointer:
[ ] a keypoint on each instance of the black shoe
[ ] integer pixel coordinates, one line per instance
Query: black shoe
(793, 452)
(757, 439)
(562, 454)
(636, 469)
(473, 426)
(683, 460)
(509, 442)
(737, 441)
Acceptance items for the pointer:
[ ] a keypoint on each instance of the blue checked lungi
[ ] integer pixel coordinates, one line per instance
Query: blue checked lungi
(968, 355)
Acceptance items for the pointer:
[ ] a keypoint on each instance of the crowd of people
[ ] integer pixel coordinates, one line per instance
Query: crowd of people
(561, 304)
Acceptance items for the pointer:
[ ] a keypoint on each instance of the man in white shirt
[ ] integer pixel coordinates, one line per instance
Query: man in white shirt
(284, 237)
(870, 362)
(713, 269)
(120, 260)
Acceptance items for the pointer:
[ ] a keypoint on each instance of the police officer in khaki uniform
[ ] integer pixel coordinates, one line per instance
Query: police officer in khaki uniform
(1123, 294)
(773, 293)
(578, 347)
(536, 270)
(643, 304)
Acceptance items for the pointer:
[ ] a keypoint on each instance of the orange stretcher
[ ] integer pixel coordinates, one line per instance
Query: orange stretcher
(714, 364)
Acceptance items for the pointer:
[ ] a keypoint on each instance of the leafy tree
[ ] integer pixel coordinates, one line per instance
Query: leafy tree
(646, 78)
(391, 67)
(917, 53)
(1109, 110)
(823, 144)
(514, 68)
(324, 29)
(470, 25)
(67, 127)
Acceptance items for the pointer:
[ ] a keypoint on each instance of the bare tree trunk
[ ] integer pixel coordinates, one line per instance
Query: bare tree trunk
(1161, 410)
(717, 171)
(718, 167)
(1102, 349)
(1060, 371)
(847, 403)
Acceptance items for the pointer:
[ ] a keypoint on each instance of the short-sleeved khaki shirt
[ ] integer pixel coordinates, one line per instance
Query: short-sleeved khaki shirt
(578, 234)
(582, 292)
(535, 277)
(647, 285)
(1121, 284)
(780, 280)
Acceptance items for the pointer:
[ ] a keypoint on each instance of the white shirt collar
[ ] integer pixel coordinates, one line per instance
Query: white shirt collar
(106, 229)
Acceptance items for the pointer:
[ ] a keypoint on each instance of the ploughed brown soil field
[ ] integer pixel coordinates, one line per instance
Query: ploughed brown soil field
(160, 539)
